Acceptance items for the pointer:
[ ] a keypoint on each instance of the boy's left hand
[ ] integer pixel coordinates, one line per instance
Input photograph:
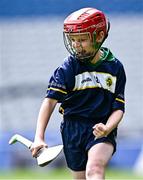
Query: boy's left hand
(100, 130)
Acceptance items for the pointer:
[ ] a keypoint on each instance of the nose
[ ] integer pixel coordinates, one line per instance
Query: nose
(76, 44)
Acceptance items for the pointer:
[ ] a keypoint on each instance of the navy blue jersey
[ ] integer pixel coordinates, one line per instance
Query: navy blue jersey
(88, 90)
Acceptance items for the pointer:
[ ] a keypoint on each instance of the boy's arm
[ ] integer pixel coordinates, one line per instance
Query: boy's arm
(45, 112)
(102, 130)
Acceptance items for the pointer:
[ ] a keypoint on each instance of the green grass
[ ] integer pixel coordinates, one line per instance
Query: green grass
(36, 174)
(61, 174)
(121, 174)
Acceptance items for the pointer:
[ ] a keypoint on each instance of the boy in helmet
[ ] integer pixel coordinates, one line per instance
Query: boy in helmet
(90, 87)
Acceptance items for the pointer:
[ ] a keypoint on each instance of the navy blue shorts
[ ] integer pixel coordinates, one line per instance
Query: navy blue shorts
(78, 138)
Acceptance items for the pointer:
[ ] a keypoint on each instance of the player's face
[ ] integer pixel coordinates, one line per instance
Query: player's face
(81, 44)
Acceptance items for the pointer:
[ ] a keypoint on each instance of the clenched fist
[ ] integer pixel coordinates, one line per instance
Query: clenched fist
(100, 130)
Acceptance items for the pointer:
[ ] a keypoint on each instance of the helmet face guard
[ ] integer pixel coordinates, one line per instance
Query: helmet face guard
(79, 53)
(88, 22)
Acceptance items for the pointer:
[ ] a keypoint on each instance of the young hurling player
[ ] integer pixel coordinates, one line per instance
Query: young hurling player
(90, 87)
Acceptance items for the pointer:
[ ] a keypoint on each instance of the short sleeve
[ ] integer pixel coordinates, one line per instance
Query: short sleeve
(119, 100)
(57, 86)
(61, 82)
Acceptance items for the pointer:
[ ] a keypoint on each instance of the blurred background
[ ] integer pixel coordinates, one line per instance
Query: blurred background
(31, 47)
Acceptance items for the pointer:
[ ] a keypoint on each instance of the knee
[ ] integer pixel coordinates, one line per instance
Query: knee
(95, 170)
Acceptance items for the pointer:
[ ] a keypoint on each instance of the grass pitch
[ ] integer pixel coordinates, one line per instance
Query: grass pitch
(62, 174)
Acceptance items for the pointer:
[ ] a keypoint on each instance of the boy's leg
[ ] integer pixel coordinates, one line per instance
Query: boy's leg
(78, 175)
(98, 157)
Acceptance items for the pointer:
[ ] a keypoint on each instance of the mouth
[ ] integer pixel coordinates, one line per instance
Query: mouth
(83, 54)
(80, 53)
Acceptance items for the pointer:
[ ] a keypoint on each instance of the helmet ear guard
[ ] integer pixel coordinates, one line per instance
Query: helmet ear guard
(96, 44)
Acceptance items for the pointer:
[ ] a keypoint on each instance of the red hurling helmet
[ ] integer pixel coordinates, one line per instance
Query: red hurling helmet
(86, 20)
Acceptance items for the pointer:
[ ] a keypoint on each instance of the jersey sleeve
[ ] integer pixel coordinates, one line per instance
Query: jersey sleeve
(119, 100)
(60, 82)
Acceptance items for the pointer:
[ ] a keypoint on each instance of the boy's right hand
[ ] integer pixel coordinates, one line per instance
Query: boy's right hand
(36, 146)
